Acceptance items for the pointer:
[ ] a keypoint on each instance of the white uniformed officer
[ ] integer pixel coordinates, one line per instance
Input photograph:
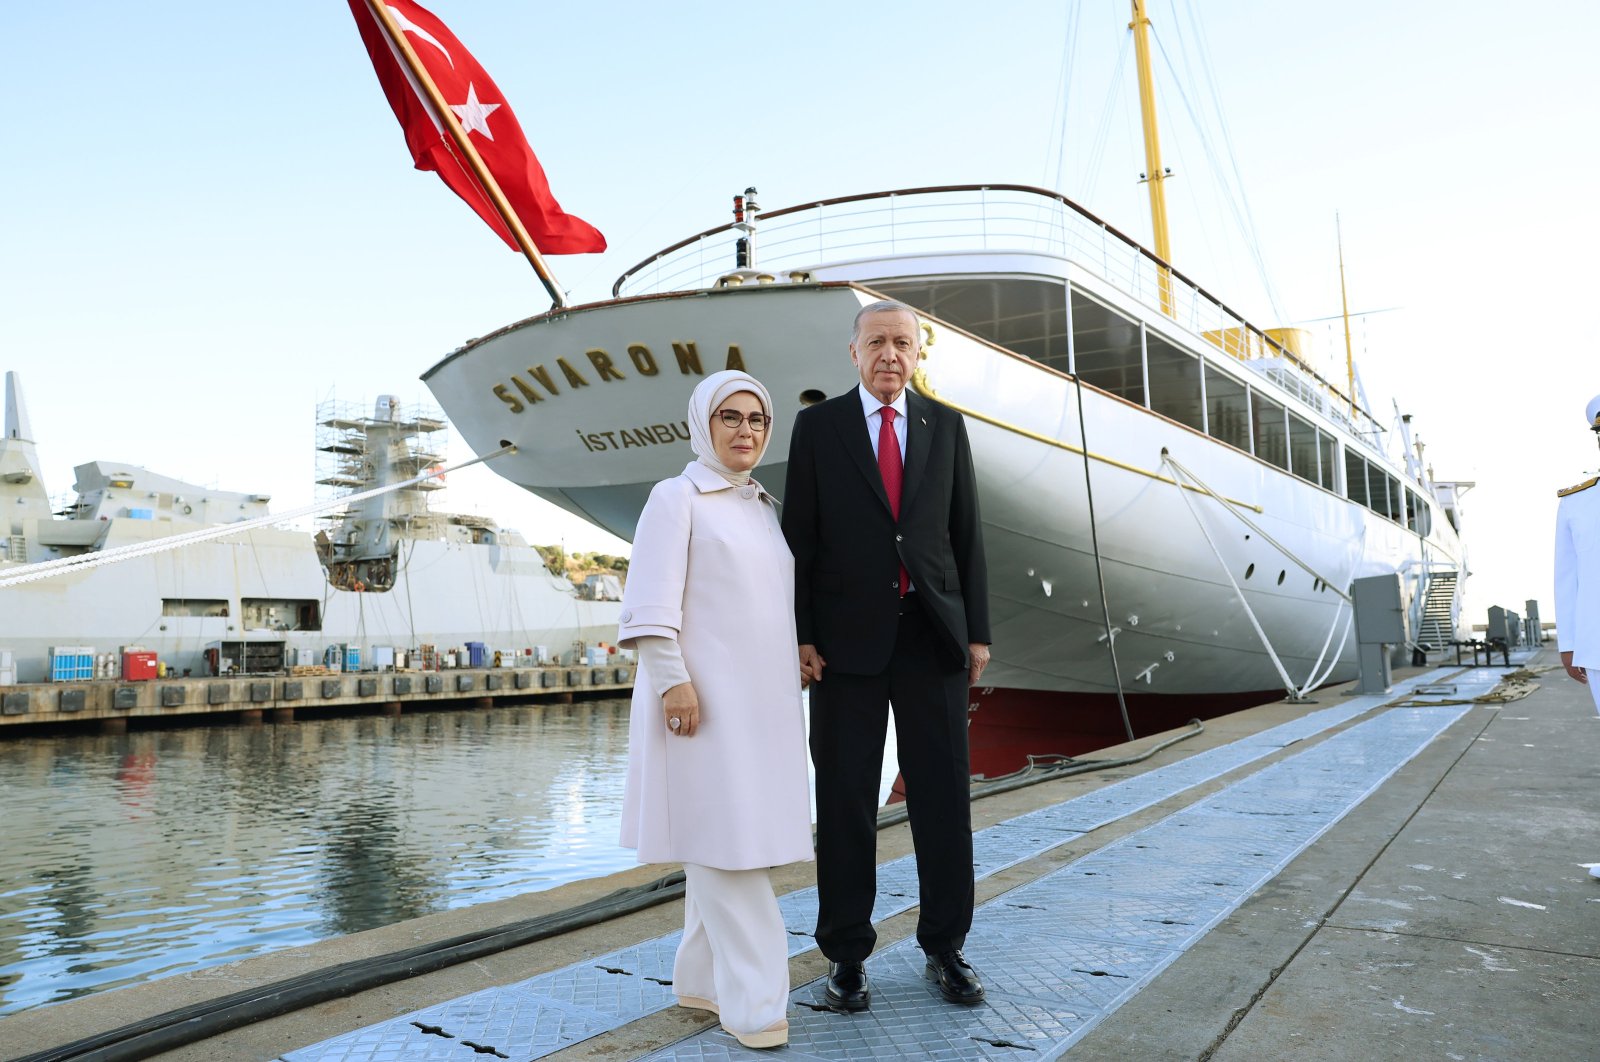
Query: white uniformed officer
(1578, 573)
(1578, 578)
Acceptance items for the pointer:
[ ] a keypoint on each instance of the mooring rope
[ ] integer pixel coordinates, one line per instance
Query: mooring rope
(1283, 673)
(1167, 458)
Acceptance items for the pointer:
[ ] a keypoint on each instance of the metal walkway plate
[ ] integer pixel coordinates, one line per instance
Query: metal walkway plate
(1057, 954)
(1060, 953)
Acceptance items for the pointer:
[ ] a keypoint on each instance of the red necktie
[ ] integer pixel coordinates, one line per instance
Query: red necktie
(893, 473)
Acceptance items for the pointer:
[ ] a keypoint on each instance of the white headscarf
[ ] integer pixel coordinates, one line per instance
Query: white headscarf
(711, 393)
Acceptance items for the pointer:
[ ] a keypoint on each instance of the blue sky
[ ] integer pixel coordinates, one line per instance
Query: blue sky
(211, 222)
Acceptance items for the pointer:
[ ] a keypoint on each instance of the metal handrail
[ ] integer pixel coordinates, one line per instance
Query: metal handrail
(1090, 238)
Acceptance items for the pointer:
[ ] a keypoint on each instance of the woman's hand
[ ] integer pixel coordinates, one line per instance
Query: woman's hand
(681, 706)
(811, 665)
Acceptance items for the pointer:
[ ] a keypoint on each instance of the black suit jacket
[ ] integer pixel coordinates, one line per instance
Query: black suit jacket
(848, 546)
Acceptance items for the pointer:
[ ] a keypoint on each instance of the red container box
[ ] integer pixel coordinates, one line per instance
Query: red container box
(138, 667)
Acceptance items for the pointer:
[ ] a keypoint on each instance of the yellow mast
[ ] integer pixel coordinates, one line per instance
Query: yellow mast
(1154, 173)
(1344, 302)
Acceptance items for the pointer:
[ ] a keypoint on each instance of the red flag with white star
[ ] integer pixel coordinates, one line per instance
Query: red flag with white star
(488, 121)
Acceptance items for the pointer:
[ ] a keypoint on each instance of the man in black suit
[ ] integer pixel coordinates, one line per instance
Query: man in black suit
(891, 605)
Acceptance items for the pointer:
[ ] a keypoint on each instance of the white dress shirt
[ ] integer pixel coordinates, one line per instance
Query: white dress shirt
(871, 405)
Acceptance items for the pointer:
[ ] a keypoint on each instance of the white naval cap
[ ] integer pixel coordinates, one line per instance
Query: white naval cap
(1591, 412)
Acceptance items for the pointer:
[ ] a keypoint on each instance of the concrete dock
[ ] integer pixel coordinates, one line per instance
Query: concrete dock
(112, 704)
(1365, 877)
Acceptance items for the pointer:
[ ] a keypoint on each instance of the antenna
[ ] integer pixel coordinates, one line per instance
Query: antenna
(17, 426)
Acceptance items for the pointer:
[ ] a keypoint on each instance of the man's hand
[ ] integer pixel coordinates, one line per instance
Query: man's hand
(980, 660)
(680, 703)
(1579, 674)
(811, 665)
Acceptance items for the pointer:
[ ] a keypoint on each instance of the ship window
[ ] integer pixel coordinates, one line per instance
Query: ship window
(1227, 409)
(281, 614)
(1376, 489)
(193, 606)
(1174, 382)
(1106, 349)
(1302, 448)
(1330, 452)
(1355, 478)
(1393, 506)
(1025, 315)
(1272, 442)
(1424, 516)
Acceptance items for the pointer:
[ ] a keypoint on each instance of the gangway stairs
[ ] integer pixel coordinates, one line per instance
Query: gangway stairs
(1438, 627)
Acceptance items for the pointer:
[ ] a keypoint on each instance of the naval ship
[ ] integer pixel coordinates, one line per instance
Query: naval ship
(387, 575)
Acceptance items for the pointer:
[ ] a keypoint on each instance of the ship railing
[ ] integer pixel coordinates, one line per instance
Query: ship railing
(994, 218)
(1308, 390)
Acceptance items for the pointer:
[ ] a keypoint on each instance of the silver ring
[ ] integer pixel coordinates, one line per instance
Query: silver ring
(674, 722)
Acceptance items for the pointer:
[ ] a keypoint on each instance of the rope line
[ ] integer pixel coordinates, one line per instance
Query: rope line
(1288, 683)
(1167, 458)
(1266, 643)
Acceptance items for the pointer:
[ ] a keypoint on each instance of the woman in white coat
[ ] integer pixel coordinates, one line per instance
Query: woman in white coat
(716, 744)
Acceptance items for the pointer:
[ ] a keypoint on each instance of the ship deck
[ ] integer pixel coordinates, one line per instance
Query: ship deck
(1368, 876)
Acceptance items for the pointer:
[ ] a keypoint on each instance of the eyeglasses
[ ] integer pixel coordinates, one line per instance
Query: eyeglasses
(732, 418)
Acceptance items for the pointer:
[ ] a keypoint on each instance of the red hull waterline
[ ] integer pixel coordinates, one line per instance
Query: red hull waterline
(1007, 726)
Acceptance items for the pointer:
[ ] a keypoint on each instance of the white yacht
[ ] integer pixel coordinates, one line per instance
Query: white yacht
(1175, 503)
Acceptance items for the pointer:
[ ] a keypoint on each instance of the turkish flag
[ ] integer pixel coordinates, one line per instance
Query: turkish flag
(488, 122)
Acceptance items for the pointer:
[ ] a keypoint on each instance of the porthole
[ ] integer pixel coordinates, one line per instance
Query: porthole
(1281, 575)
(811, 396)
(1248, 572)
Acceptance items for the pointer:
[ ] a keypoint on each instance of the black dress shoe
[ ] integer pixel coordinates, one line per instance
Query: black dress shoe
(847, 986)
(958, 981)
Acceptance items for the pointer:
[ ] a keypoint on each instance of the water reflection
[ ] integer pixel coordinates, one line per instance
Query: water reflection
(133, 856)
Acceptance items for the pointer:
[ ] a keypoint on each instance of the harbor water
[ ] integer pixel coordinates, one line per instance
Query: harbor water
(129, 857)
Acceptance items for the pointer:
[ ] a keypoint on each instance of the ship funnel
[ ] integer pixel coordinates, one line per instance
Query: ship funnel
(387, 409)
(17, 426)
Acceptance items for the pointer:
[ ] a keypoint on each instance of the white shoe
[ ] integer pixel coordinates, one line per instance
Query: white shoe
(698, 1003)
(774, 1035)
(1594, 870)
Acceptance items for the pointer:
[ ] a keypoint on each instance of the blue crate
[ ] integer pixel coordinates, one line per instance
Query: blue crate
(74, 664)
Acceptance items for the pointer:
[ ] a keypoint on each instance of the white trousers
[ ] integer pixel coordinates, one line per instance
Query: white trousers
(1594, 687)
(735, 949)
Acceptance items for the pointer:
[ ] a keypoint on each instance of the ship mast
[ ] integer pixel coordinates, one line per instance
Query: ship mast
(1154, 173)
(1344, 311)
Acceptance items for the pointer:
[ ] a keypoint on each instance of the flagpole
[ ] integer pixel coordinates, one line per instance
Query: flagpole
(464, 143)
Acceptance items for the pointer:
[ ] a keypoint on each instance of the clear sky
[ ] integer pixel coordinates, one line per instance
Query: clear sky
(211, 222)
